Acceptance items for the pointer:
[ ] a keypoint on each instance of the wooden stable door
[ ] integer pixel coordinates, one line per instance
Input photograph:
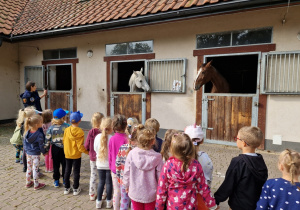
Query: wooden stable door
(226, 115)
(129, 104)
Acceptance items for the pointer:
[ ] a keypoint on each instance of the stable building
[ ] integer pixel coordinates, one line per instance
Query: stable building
(84, 52)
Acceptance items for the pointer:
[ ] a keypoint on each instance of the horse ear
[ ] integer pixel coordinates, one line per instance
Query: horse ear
(209, 63)
(141, 70)
(136, 74)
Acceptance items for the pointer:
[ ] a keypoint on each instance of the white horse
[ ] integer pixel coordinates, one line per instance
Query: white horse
(137, 82)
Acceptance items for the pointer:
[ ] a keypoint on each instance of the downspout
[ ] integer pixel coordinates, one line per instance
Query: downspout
(214, 9)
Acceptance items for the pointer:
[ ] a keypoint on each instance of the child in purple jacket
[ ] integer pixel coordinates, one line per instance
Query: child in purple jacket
(119, 124)
(142, 170)
(89, 146)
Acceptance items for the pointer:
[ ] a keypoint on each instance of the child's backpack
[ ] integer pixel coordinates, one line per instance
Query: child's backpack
(17, 137)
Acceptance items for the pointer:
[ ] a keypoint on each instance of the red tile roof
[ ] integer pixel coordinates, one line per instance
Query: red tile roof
(10, 10)
(42, 15)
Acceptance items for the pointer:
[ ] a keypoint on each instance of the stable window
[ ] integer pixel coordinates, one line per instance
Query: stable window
(235, 38)
(167, 75)
(35, 74)
(129, 48)
(60, 54)
(161, 75)
(281, 73)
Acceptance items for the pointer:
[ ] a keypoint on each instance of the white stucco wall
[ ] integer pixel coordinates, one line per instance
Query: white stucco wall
(174, 40)
(9, 81)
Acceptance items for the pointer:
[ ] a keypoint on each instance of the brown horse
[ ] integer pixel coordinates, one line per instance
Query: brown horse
(208, 73)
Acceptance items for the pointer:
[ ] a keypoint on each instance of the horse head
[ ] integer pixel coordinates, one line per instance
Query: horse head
(204, 75)
(139, 81)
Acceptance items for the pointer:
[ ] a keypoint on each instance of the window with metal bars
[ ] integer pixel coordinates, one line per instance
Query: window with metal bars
(35, 74)
(281, 72)
(167, 75)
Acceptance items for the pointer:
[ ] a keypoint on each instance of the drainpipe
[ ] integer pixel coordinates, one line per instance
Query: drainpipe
(194, 12)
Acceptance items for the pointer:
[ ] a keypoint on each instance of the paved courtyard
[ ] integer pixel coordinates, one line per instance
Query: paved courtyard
(13, 194)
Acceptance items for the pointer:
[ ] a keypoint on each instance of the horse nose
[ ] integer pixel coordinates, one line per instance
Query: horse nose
(141, 81)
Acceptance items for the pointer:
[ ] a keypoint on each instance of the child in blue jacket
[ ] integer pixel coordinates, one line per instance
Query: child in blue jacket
(34, 146)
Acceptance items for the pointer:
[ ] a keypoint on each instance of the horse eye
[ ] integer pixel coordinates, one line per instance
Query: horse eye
(203, 72)
(140, 81)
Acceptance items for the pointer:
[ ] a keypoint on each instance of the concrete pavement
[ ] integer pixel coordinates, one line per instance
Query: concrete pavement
(13, 194)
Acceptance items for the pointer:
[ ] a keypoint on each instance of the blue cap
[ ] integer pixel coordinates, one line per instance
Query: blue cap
(75, 117)
(59, 113)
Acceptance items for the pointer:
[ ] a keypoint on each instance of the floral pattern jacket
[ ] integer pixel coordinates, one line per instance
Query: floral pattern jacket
(178, 189)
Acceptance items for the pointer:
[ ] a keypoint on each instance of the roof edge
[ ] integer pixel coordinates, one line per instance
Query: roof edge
(193, 12)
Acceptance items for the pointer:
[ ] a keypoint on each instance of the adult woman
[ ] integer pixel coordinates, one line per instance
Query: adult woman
(31, 97)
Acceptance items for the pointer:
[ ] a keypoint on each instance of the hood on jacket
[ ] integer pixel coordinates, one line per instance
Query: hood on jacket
(146, 159)
(31, 138)
(75, 133)
(179, 176)
(257, 166)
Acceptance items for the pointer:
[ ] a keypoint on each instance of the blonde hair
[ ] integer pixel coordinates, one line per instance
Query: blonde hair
(32, 121)
(131, 122)
(133, 136)
(290, 159)
(182, 148)
(145, 138)
(47, 116)
(96, 119)
(152, 123)
(253, 136)
(167, 142)
(105, 126)
(23, 113)
(58, 121)
(119, 123)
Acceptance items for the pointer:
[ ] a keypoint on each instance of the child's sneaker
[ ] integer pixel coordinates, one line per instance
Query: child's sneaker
(76, 191)
(93, 197)
(40, 186)
(98, 204)
(56, 183)
(29, 184)
(17, 160)
(21, 161)
(67, 191)
(108, 204)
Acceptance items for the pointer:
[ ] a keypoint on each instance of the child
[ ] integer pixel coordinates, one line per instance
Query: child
(89, 146)
(283, 193)
(132, 121)
(47, 117)
(121, 158)
(165, 151)
(34, 146)
(101, 148)
(153, 123)
(73, 147)
(142, 169)
(182, 177)
(196, 134)
(119, 124)
(16, 139)
(246, 173)
(54, 139)
(28, 112)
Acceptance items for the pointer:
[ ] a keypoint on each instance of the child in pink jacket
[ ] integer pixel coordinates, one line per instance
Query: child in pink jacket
(182, 178)
(142, 170)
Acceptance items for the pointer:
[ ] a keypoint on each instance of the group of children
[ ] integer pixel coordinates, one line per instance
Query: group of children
(135, 167)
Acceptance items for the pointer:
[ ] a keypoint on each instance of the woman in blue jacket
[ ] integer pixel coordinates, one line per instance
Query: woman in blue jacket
(31, 97)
